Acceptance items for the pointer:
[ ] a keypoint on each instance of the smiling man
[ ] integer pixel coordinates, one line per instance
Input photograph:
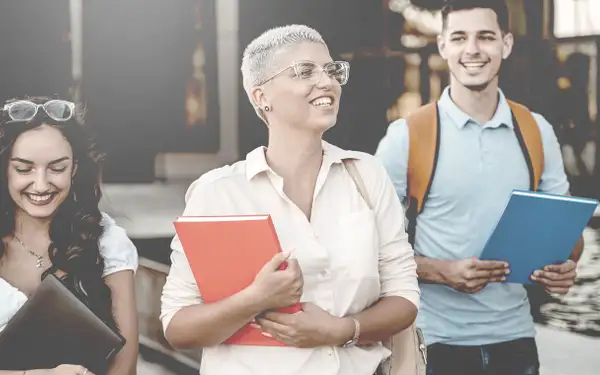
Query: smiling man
(455, 162)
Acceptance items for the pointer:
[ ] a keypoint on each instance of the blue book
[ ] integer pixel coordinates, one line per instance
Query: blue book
(536, 230)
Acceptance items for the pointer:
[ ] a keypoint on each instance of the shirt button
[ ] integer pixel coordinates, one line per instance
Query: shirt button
(330, 352)
(324, 274)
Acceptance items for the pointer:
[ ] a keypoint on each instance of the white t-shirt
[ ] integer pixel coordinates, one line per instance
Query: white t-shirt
(116, 248)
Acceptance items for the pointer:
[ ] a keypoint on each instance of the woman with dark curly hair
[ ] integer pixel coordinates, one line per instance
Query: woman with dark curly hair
(50, 223)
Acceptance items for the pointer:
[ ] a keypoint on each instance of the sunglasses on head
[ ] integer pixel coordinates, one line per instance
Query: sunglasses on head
(25, 110)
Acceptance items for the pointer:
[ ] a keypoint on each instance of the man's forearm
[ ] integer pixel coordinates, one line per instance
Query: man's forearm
(577, 251)
(431, 270)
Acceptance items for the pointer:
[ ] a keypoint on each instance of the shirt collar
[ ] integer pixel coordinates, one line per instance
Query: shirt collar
(256, 160)
(502, 116)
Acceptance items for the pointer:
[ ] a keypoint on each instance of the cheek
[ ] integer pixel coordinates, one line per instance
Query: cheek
(17, 182)
(293, 100)
(453, 58)
(62, 182)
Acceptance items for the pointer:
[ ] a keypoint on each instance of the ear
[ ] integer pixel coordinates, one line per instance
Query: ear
(441, 45)
(508, 41)
(258, 97)
(75, 166)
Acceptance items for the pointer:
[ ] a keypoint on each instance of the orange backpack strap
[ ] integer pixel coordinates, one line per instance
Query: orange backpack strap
(530, 139)
(424, 144)
(424, 139)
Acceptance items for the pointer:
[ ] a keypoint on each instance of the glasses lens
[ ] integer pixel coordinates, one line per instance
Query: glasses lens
(58, 110)
(22, 111)
(338, 70)
(306, 70)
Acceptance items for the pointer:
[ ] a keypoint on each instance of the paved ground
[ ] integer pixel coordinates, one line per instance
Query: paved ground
(567, 353)
(561, 353)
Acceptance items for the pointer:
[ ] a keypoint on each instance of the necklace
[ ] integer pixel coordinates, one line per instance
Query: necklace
(39, 263)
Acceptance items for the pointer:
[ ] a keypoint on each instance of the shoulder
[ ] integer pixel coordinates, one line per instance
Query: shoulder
(393, 147)
(117, 250)
(543, 124)
(547, 132)
(370, 168)
(12, 300)
(398, 130)
(211, 180)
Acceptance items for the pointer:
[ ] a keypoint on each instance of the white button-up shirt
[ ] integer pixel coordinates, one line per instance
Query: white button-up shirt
(350, 256)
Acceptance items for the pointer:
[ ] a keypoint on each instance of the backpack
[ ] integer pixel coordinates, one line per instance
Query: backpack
(424, 145)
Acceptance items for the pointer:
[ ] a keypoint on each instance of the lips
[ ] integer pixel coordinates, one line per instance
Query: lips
(474, 66)
(40, 199)
(323, 101)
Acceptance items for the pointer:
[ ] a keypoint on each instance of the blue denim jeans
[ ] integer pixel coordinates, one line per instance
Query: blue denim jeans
(517, 357)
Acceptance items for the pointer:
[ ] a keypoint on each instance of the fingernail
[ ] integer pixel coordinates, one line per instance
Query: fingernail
(503, 279)
(266, 334)
(537, 273)
(507, 272)
(254, 325)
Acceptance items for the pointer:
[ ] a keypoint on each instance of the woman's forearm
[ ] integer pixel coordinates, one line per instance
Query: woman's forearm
(385, 318)
(125, 363)
(205, 325)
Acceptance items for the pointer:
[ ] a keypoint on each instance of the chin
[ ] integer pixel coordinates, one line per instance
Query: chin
(41, 212)
(324, 126)
(476, 84)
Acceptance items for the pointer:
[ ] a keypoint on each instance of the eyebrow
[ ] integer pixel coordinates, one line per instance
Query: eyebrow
(480, 32)
(25, 161)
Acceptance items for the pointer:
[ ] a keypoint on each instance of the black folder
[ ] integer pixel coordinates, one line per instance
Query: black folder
(54, 327)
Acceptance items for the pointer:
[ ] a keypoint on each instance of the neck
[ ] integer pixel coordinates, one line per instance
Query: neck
(31, 229)
(479, 105)
(293, 154)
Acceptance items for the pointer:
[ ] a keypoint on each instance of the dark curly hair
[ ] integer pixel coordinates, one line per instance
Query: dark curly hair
(76, 225)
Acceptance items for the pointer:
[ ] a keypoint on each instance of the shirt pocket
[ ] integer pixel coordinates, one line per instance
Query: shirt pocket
(354, 245)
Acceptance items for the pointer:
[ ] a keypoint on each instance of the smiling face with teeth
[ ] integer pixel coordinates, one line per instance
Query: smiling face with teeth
(40, 171)
(474, 45)
(297, 102)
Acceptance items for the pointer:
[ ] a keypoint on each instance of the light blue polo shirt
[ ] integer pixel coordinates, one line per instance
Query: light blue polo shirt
(478, 167)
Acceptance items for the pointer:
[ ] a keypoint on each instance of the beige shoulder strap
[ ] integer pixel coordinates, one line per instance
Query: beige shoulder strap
(358, 181)
(409, 354)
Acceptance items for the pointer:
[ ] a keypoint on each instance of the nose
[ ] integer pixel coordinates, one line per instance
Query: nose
(41, 184)
(324, 80)
(472, 46)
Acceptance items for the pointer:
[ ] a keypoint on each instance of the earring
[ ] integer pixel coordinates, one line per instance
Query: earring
(74, 194)
(267, 108)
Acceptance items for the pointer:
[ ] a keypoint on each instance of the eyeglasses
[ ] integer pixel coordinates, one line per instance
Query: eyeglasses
(25, 110)
(311, 72)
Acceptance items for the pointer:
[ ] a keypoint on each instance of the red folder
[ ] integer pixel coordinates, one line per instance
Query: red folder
(225, 254)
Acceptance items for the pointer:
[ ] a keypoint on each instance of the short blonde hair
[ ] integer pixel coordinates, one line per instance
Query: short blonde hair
(259, 56)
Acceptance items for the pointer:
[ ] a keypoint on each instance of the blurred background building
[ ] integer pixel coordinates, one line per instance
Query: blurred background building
(161, 85)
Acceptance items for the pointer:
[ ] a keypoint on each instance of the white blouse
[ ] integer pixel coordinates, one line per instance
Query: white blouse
(350, 256)
(116, 248)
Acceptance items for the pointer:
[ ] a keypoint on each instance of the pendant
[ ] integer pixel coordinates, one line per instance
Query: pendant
(39, 263)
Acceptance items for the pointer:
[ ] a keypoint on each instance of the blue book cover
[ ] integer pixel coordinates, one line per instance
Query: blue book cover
(536, 230)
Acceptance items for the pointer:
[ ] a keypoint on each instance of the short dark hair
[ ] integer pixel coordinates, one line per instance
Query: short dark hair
(498, 6)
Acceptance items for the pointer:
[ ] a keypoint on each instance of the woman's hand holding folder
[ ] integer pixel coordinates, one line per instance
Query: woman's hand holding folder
(279, 283)
(210, 324)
